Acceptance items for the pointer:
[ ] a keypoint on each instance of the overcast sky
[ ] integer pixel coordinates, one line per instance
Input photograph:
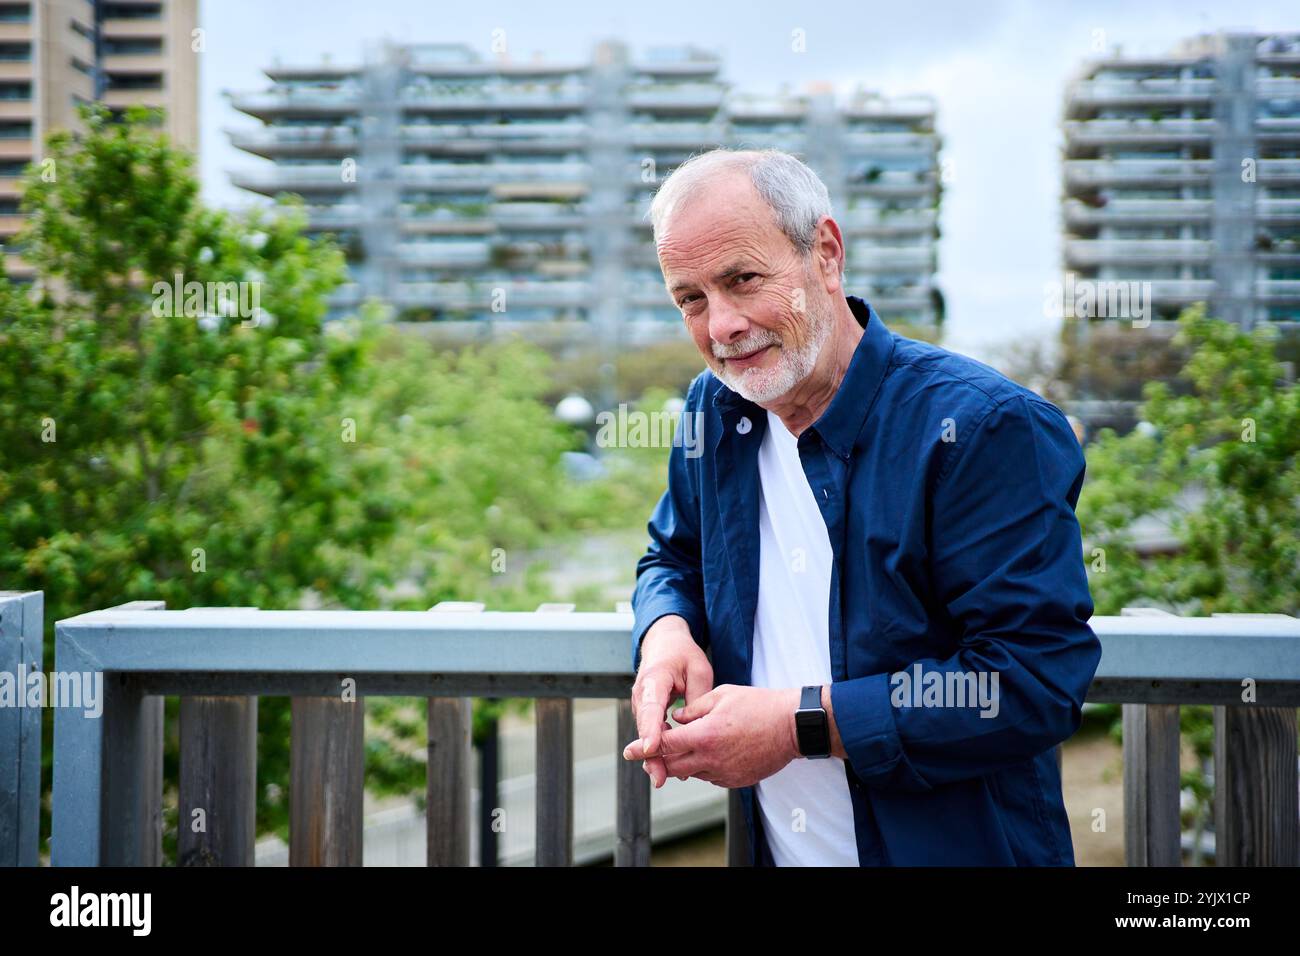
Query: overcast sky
(998, 70)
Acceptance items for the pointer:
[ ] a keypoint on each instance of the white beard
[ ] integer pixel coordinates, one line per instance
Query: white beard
(760, 385)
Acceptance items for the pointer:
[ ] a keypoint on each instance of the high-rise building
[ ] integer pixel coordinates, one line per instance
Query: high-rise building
(471, 190)
(1184, 171)
(56, 54)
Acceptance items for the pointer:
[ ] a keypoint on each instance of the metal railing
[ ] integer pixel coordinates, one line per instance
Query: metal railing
(107, 787)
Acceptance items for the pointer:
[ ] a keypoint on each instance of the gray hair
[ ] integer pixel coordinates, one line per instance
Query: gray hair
(795, 194)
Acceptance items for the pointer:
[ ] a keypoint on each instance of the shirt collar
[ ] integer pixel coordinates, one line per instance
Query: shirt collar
(841, 422)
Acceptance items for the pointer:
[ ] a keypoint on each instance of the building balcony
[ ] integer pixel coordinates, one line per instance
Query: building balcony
(1155, 92)
(562, 100)
(685, 135)
(289, 102)
(1179, 291)
(416, 174)
(563, 134)
(457, 255)
(292, 179)
(672, 97)
(124, 28)
(1278, 290)
(1095, 252)
(891, 259)
(878, 222)
(479, 294)
(1088, 173)
(1279, 172)
(1278, 210)
(135, 63)
(890, 144)
(1278, 87)
(1101, 132)
(295, 140)
(1137, 211)
(546, 215)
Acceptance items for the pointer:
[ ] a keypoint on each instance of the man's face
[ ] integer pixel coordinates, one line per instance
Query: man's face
(753, 305)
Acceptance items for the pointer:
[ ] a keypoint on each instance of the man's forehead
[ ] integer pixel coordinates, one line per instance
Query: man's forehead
(701, 242)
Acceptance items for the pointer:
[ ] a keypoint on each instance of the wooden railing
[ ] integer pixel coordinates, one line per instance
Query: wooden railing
(107, 788)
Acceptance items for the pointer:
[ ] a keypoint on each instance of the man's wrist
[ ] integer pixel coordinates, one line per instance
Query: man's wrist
(837, 745)
(796, 696)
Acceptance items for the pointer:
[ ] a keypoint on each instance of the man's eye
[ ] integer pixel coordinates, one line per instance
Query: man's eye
(746, 276)
(685, 300)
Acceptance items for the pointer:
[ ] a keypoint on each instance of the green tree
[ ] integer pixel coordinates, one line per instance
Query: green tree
(1218, 466)
(203, 451)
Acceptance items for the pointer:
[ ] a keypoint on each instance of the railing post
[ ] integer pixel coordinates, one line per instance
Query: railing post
(554, 773)
(449, 805)
(22, 634)
(632, 797)
(448, 815)
(554, 776)
(1152, 829)
(326, 781)
(1255, 786)
(107, 767)
(217, 802)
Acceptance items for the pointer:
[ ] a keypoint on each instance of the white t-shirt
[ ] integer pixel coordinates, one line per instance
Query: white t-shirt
(792, 649)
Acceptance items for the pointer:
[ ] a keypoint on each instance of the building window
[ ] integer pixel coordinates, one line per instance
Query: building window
(15, 13)
(15, 91)
(21, 52)
(133, 46)
(132, 11)
(15, 129)
(135, 81)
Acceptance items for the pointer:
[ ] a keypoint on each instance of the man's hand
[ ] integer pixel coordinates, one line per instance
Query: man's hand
(733, 736)
(672, 666)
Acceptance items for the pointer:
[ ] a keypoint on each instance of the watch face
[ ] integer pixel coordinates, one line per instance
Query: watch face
(813, 734)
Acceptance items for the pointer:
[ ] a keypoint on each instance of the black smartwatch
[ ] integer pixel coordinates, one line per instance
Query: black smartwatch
(812, 728)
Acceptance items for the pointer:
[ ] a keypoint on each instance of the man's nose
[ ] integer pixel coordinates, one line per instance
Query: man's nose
(726, 324)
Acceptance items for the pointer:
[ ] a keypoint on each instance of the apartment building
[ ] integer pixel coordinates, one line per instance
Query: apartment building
(55, 54)
(473, 191)
(1184, 171)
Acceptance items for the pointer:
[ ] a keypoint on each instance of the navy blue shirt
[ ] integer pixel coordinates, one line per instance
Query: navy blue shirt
(948, 493)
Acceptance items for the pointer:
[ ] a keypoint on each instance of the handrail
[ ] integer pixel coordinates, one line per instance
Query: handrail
(107, 771)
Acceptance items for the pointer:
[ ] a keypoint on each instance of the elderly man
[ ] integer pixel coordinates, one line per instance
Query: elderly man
(877, 549)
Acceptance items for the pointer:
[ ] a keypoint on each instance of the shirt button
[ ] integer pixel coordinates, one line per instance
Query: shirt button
(744, 425)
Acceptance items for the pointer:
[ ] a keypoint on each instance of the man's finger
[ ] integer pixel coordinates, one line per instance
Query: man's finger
(656, 688)
(699, 680)
(687, 765)
(696, 708)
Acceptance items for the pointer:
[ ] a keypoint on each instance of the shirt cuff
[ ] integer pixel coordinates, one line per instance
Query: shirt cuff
(864, 718)
(645, 618)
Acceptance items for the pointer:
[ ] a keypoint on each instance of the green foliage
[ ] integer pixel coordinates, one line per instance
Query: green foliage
(1219, 467)
(189, 451)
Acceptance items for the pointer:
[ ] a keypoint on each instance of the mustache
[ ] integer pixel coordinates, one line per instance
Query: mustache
(746, 346)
